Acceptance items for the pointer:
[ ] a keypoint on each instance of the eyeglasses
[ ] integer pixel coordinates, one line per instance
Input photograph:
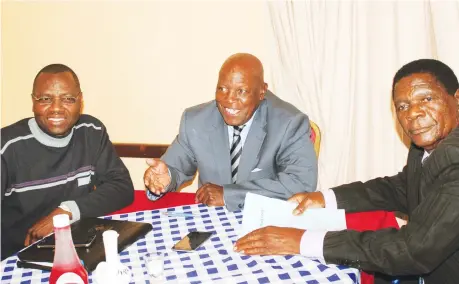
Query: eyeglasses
(48, 100)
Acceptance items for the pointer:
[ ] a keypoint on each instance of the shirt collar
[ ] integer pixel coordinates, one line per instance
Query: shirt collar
(425, 156)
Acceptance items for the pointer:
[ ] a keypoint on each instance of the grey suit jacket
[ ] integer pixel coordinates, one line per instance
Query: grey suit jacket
(429, 244)
(277, 143)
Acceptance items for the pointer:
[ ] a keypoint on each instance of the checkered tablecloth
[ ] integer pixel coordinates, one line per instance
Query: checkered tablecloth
(213, 262)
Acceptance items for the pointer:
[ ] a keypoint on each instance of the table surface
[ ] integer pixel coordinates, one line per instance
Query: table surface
(213, 262)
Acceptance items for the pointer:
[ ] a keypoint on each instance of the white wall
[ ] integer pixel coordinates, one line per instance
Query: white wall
(140, 63)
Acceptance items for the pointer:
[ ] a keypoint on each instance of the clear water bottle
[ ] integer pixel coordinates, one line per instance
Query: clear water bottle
(67, 267)
(111, 270)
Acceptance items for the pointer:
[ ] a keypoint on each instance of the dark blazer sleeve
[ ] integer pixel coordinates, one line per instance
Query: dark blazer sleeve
(387, 193)
(428, 239)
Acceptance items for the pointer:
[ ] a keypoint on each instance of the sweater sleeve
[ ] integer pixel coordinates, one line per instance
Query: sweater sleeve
(4, 177)
(113, 185)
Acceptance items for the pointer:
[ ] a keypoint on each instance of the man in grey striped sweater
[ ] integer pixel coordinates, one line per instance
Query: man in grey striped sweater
(58, 162)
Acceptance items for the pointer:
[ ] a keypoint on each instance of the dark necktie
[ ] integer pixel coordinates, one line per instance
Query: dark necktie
(236, 151)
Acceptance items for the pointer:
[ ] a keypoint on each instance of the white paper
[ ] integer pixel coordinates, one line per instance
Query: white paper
(261, 211)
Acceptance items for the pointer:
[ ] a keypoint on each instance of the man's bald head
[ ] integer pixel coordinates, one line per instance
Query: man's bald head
(245, 61)
(240, 88)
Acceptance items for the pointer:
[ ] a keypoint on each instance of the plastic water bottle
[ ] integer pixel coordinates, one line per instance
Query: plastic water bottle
(111, 270)
(67, 267)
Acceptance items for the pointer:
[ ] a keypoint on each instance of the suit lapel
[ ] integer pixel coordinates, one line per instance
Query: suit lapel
(253, 142)
(414, 176)
(218, 139)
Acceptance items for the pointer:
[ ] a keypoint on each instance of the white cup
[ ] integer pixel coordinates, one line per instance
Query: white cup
(155, 267)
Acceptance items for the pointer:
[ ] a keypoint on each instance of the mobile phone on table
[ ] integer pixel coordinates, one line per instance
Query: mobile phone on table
(192, 241)
(79, 242)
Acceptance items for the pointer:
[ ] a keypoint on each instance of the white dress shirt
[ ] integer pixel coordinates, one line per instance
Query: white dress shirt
(312, 242)
(425, 156)
(244, 132)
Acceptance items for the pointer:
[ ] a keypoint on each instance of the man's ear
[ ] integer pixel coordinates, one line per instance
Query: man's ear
(33, 100)
(456, 97)
(82, 103)
(264, 90)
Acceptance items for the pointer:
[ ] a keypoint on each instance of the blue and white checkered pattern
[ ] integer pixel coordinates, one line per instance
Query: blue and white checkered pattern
(213, 262)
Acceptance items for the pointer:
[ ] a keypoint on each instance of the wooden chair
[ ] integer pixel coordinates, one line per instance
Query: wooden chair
(315, 137)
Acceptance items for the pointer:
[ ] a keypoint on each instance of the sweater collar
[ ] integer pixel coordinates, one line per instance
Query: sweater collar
(46, 139)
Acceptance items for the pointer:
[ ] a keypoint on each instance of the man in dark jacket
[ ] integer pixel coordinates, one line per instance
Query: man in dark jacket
(426, 99)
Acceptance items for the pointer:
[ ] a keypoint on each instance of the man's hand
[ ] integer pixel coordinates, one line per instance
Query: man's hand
(307, 200)
(43, 227)
(156, 177)
(270, 241)
(211, 195)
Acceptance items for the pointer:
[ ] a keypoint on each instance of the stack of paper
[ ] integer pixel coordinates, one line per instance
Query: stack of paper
(261, 211)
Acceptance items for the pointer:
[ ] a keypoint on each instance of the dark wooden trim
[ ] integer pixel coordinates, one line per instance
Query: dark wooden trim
(133, 150)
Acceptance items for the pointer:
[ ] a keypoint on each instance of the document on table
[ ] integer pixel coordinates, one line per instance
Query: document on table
(261, 211)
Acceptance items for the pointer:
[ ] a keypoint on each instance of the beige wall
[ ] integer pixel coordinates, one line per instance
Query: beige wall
(140, 63)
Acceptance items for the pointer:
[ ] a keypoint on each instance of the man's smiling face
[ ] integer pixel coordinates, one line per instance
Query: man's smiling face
(240, 89)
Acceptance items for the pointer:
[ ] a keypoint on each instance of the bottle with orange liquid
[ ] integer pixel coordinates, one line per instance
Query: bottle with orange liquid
(67, 267)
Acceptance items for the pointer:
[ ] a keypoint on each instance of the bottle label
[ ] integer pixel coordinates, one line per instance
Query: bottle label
(69, 277)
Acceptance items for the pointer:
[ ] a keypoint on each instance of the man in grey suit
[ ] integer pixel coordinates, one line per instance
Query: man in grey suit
(426, 98)
(246, 140)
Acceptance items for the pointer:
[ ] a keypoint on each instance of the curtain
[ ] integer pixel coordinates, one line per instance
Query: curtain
(335, 61)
